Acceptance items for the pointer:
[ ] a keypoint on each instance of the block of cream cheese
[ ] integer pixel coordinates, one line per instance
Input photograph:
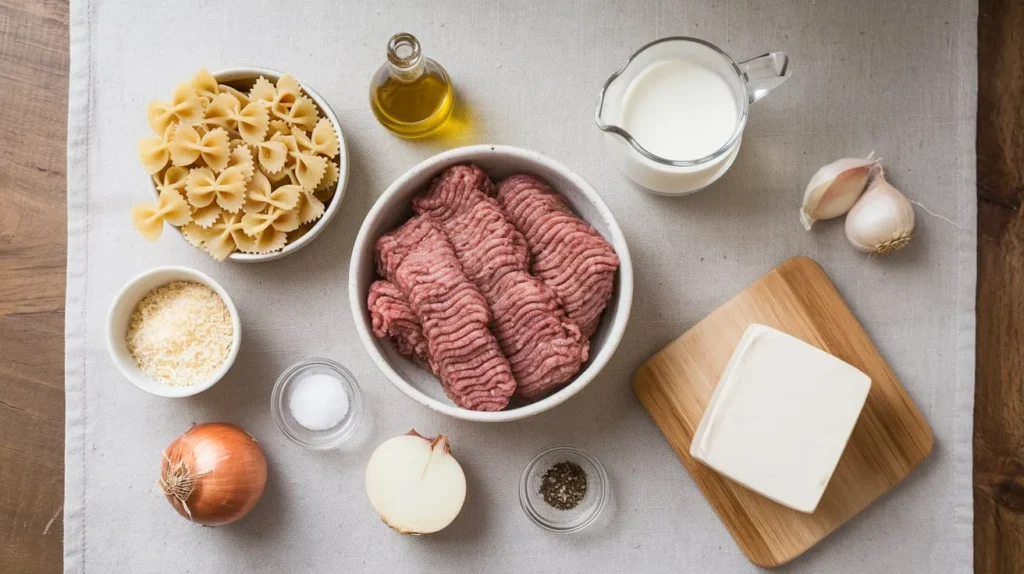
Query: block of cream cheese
(780, 417)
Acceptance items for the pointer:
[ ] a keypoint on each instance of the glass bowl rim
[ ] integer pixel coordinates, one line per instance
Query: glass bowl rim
(351, 420)
(591, 514)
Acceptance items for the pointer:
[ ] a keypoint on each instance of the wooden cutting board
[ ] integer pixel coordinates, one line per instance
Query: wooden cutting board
(891, 437)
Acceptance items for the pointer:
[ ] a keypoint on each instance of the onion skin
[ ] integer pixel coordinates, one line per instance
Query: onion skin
(214, 474)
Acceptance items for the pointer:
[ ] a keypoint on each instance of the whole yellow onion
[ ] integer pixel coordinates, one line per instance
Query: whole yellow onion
(213, 474)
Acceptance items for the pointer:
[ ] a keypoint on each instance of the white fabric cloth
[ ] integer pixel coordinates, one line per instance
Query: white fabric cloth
(894, 77)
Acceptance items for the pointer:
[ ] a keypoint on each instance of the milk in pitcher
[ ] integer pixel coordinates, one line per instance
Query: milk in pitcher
(673, 116)
(679, 110)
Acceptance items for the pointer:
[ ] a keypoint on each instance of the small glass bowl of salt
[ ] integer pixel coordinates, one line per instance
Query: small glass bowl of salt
(317, 404)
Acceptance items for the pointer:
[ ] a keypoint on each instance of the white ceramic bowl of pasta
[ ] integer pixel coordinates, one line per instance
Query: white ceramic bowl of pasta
(119, 318)
(394, 207)
(243, 78)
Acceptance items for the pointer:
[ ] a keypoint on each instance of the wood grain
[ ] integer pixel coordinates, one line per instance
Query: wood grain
(33, 236)
(891, 437)
(999, 391)
(33, 61)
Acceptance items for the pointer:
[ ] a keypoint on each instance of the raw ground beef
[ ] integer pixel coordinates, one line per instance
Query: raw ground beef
(543, 348)
(392, 317)
(569, 255)
(419, 260)
(460, 296)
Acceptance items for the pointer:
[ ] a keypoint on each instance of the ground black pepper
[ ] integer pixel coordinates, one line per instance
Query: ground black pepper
(564, 485)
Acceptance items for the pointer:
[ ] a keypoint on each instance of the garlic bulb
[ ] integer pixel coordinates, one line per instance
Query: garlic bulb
(415, 484)
(882, 221)
(835, 188)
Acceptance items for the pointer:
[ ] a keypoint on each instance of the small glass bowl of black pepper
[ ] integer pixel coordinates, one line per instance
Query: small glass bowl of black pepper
(563, 489)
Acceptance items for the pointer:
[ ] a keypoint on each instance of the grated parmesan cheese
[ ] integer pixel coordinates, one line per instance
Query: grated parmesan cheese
(180, 333)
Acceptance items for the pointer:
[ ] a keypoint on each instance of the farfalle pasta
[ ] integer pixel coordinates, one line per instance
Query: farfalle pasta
(155, 151)
(260, 197)
(184, 108)
(273, 154)
(309, 207)
(227, 188)
(278, 127)
(172, 178)
(243, 100)
(206, 216)
(221, 238)
(250, 122)
(244, 168)
(241, 157)
(149, 218)
(325, 191)
(281, 219)
(302, 113)
(269, 240)
(205, 85)
(189, 145)
(324, 139)
(309, 169)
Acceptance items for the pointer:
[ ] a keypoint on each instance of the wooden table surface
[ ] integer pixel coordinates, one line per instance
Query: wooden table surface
(33, 237)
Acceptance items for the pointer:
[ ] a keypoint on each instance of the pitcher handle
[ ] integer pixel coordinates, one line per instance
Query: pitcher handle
(765, 73)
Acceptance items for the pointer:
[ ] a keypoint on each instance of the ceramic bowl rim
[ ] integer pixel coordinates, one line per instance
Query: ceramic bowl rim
(120, 301)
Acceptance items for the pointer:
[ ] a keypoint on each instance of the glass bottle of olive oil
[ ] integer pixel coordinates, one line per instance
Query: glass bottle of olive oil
(410, 94)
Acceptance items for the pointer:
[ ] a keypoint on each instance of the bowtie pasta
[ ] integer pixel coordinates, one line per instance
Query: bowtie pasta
(237, 170)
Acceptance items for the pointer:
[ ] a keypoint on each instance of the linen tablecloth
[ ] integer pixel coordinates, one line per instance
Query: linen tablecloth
(894, 77)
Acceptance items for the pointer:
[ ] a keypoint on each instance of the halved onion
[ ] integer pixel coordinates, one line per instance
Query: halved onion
(415, 484)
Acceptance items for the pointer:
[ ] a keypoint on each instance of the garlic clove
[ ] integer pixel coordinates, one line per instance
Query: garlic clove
(835, 187)
(882, 221)
(415, 484)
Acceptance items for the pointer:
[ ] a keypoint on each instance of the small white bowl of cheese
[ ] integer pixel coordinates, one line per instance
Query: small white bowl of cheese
(182, 341)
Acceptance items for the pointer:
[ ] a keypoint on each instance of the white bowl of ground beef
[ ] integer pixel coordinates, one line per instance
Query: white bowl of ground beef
(394, 208)
(191, 336)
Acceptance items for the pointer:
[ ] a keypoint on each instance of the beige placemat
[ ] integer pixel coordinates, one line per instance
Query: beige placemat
(897, 78)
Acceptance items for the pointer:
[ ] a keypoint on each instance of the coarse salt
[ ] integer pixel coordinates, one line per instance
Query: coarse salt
(318, 401)
(179, 334)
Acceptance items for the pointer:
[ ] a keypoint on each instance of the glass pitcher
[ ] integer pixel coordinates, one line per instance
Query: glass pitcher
(747, 81)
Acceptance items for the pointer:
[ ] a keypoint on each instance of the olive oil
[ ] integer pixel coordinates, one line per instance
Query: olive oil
(410, 94)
